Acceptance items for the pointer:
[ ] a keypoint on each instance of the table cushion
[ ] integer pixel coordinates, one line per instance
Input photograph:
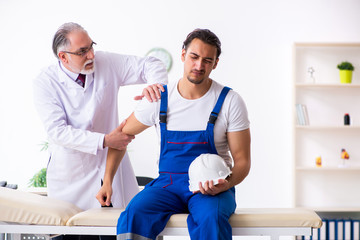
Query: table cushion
(243, 217)
(29, 208)
(96, 217)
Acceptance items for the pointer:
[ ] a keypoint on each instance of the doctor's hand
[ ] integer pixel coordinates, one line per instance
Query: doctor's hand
(117, 139)
(210, 189)
(104, 195)
(151, 92)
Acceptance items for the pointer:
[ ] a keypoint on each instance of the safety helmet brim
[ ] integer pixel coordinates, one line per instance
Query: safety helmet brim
(194, 186)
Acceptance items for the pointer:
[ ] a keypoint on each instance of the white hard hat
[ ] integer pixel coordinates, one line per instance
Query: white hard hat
(207, 167)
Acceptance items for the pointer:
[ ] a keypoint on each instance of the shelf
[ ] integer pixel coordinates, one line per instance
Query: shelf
(328, 188)
(327, 128)
(327, 44)
(327, 85)
(323, 169)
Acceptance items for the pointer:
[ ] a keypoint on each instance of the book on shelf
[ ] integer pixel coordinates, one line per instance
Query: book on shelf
(302, 117)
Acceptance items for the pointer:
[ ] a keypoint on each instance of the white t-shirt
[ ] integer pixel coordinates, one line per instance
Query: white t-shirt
(191, 115)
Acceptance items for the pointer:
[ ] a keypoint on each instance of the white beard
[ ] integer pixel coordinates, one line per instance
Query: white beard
(83, 70)
(88, 71)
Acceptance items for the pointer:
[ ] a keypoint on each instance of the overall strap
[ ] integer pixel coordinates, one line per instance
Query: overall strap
(214, 114)
(163, 107)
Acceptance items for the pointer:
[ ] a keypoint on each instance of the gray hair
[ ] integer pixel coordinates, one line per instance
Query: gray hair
(60, 40)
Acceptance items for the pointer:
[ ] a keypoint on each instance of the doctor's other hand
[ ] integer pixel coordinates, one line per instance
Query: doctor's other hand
(104, 195)
(151, 92)
(117, 139)
(208, 188)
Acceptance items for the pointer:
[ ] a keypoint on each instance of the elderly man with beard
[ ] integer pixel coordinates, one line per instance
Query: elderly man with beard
(77, 101)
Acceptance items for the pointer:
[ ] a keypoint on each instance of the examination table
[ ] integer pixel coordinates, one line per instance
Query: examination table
(28, 213)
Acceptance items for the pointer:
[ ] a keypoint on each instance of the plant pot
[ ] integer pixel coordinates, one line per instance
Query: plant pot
(345, 76)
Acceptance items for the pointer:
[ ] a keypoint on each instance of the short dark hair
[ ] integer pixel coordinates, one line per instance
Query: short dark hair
(206, 36)
(60, 40)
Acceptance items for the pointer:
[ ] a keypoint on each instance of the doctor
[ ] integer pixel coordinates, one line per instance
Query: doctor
(76, 99)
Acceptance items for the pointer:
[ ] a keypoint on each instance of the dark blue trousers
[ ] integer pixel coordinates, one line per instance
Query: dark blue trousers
(149, 211)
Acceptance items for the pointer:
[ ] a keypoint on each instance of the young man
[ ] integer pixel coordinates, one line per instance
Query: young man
(77, 101)
(197, 115)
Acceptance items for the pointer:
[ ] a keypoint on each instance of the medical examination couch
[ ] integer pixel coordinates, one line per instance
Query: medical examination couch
(23, 214)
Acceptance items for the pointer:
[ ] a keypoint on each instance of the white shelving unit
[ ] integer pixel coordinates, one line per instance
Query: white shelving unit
(327, 187)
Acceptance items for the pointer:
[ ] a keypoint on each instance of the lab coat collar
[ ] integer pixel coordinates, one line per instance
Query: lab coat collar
(89, 79)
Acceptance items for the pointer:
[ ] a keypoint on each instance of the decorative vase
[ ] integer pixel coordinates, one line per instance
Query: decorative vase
(345, 76)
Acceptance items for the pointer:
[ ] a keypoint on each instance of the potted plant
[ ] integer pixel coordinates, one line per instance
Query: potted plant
(346, 69)
(39, 179)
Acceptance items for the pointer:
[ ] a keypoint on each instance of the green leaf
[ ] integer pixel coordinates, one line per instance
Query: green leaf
(39, 179)
(44, 146)
(345, 66)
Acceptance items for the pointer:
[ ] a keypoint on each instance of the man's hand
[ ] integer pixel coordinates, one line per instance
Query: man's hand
(151, 92)
(117, 139)
(104, 195)
(210, 189)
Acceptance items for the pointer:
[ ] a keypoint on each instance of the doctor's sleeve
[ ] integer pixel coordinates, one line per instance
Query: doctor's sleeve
(53, 117)
(139, 70)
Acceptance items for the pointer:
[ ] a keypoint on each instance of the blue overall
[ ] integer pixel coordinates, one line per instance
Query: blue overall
(149, 211)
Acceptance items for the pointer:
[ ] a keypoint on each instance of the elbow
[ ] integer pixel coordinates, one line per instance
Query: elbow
(248, 166)
(55, 134)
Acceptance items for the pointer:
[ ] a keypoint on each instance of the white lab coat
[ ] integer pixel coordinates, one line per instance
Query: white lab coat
(76, 120)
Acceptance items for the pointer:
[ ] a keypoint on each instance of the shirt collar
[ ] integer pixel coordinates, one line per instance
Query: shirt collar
(70, 74)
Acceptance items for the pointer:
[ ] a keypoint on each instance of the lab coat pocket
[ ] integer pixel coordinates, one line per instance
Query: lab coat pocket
(104, 102)
(105, 94)
(100, 95)
(67, 164)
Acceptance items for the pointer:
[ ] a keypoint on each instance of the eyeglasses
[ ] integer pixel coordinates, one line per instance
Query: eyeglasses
(83, 51)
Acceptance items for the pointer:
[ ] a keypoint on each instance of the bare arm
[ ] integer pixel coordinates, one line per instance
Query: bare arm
(112, 163)
(133, 126)
(239, 144)
(114, 157)
(117, 139)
